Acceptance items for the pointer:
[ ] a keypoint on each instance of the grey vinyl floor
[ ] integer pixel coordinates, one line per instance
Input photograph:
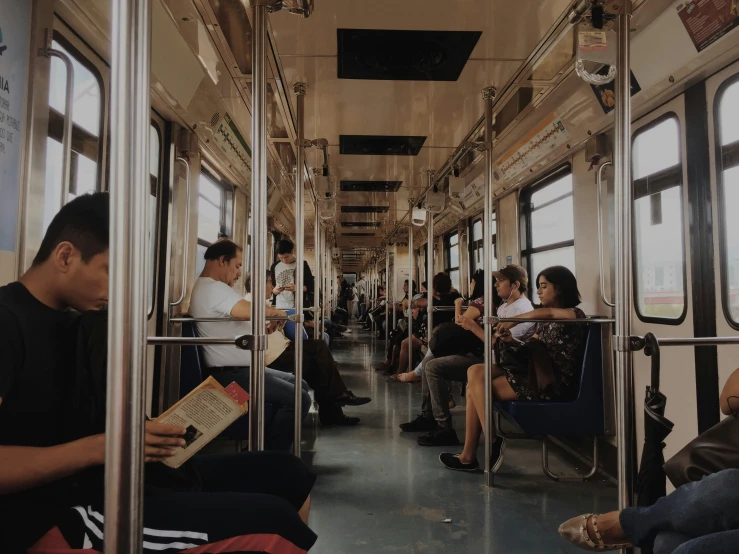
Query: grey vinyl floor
(378, 491)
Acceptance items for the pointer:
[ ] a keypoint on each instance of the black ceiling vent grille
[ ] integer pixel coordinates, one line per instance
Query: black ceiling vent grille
(365, 209)
(357, 234)
(404, 55)
(374, 224)
(370, 186)
(380, 145)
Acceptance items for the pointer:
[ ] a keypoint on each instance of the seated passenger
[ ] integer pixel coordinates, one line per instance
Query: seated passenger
(544, 370)
(443, 297)
(322, 374)
(701, 516)
(51, 486)
(213, 297)
(400, 334)
(511, 284)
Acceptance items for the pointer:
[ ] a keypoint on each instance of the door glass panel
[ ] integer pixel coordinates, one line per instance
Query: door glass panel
(729, 198)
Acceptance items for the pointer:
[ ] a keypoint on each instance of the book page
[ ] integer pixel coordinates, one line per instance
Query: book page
(204, 413)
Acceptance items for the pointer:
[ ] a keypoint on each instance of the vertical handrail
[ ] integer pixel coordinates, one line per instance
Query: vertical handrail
(395, 275)
(387, 294)
(185, 242)
(598, 186)
(429, 270)
(259, 222)
(488, 95)
(68, 123)
(127, 321)
(624, 283)
(318, 286)
(300, 90)
(410, 283)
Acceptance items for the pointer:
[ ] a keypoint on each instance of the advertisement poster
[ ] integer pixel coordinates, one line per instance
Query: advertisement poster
(605, 93)
(14, 30)
(706, 21)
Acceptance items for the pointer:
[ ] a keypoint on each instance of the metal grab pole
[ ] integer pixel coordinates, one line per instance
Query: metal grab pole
(623, 194)
(395, 276)
(258, 222)
(598, 186)
(387, 294)
(410, 284)
(68, 122)
(488, 95)
(300, 90)
(430, 269)
(318, 289)
(129, 181)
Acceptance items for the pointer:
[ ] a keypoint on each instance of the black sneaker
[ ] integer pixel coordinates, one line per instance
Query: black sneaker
(348, 398)
(439, 437)
(420, 424)
(340, 420)
(496, 456)
(451, 461)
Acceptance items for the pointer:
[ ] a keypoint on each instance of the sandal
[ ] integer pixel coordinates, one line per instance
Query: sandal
(575, 531)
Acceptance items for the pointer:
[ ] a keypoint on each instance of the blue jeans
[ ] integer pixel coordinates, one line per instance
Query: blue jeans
(698, 518)
(279, 390)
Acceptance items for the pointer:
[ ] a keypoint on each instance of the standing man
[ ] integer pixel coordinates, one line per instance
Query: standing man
(283, 277)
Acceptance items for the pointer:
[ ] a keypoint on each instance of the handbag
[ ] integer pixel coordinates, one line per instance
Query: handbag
(449, 339)
(277, 343)
(710, 452)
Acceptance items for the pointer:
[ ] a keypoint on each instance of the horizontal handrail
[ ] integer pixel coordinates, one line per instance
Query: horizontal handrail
(598, 320)
(292, 318)
(446, 308)
(693, 341)
(183, 341)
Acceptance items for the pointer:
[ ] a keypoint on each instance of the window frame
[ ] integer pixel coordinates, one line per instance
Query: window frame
(447, 251)
(639, 191)
(720, 198)
(526, 211)
(474, 245)
(80, 58)
(225, 228)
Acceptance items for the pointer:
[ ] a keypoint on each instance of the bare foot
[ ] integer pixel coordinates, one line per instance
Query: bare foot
(410, 377)
(609, 528)
(452, 404)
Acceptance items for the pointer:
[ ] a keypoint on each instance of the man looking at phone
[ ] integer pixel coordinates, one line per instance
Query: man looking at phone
(283, 277)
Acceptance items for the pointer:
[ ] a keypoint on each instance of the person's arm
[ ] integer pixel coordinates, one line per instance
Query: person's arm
(731, 389)
(471, 325)
(539, 313)
(472, 312)
(242, 310)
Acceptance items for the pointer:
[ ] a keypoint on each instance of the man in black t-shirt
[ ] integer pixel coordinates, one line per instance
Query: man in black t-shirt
(46, 496)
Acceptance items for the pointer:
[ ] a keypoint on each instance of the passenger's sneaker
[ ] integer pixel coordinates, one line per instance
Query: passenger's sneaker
(439, 437)
(496, 456)
(348, 398)
(420, 424)
(452, 461)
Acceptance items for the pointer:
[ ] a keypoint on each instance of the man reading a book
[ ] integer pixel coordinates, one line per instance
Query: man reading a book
(51, 487)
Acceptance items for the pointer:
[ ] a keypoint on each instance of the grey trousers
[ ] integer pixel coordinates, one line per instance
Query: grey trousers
(435, 374)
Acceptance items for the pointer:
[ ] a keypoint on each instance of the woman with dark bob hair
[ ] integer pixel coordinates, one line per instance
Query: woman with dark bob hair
(542, 369)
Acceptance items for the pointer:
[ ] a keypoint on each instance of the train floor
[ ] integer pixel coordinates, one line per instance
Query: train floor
(378, 491)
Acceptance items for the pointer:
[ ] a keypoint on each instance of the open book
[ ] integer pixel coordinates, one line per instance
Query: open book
(205, 413)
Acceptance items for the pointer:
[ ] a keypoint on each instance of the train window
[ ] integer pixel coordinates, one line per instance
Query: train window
(86, 130)
(452, 257)
(659, 268)
(155, 145)
(477, 247)
(728, 194)
(211, 201)
(550, 223)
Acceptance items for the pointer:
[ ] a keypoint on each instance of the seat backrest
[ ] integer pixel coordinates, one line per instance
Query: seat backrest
(591, 367)
(191, 363)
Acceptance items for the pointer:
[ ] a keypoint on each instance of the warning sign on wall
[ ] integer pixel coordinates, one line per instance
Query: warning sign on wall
(708, 20)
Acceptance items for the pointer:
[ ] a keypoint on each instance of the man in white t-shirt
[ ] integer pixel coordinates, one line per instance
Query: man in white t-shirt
(213, 297)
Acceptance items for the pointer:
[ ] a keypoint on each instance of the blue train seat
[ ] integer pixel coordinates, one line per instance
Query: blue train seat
(583, 416)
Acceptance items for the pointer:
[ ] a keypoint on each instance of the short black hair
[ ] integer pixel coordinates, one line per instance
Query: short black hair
(442, 283)
(479, 278)
(84, 222)
(223, 248)
(565, 284)
(285, 246)
(425, 285)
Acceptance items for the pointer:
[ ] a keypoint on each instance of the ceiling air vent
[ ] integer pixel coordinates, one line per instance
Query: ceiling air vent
(365, 209)
(370, 186)
(404, 55)
(374, 224)
(215, 119)
(380, 145)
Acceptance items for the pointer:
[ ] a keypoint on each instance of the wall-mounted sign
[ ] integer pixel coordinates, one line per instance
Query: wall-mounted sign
(14, 29)
(606, 95)
(229, 138)
(706, 21)
(540, 141)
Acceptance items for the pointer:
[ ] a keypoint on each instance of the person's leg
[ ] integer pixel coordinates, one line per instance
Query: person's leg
(438, 372)
(724, 542)
(322, 372)
(473, 425)
(279, 390)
